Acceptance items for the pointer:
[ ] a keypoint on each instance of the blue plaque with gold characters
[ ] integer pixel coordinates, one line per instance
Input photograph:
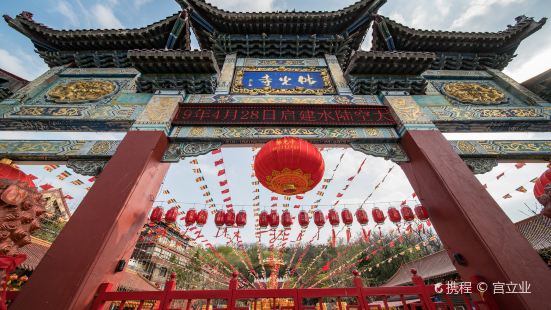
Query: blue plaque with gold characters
(282, 81)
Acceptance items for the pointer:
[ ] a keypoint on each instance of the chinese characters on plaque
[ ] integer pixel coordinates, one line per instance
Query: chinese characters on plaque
(298, 114)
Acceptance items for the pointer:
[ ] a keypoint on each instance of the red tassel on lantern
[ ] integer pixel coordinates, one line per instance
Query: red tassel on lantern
(334, 220)
(219, 220)
(319, 220)
(303, 219)
(361, 217)
(156, 215)
(407, 213)
(202, 217)
(263, 219)
(421, 212)
(171, 215)
(241, 219)
(286, 219)
(191, 217)
(347, 219)
(273, 219)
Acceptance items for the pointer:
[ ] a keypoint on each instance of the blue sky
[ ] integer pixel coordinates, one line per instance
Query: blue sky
(16, 51)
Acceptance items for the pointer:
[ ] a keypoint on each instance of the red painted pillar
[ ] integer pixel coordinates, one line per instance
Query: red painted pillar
(470, 223)
(102, 230)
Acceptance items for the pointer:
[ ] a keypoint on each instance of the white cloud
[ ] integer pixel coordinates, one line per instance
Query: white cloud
(23, 65)
(244, 5)
(478, 8)
(105, 17)
(140, 3)
(532, 66)
(67, 10)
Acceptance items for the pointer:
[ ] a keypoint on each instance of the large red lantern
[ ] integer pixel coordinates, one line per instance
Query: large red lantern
(289, 166)
(407, 213)
(263, 219)
(202, 217)
(286, 219)
(273, 219)
(191, 217)
(303, 219)
(171, 215)
(156, 215)
(421, 212)
(230, 218)
(394, 215)
(378, 216)
(241, 219)
(220, 218)
(9, 172)
(542, 191)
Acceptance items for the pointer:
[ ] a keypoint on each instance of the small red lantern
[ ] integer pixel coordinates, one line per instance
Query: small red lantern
(347, 217)
(319, 219)
(241, 219)
(394, 215)
(421, 212)
(273, 219)
(542, 192)
(230, 218)
(378, 216)
(333, 217)
(286, 219)
(191, 217)
(156, 215)
(361, 216)
(202, 217)
(220, 218)
(289, 166)
(407, 213)
(10, 172)
(303, 219)
(171, 215)
(263, 219)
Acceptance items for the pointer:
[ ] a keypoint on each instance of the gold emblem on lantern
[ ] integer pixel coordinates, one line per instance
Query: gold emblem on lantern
(289, 182)
(474, 93)
(81, 91)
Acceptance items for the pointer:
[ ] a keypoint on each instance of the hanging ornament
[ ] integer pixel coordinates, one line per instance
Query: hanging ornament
(361, 217)
(171, 215)
(379, 218)
(10, 172)
(347, 219)
(407, 213)
(156, 215)
(230, 218)
(202, 217)
(289, 166)
(191, 217)
(333, 217)
(394, 216)
(241, 219)
(286, 219)
(303, 219)
(273, 219)
(421, 212)
(542, 192)
(219, 220)
(263, 219)
(319, 220)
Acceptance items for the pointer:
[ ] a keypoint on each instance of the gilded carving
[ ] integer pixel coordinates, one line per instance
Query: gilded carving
(100, 147)
(81, 91)
(474, 93)
(407, 110)
(466, 147)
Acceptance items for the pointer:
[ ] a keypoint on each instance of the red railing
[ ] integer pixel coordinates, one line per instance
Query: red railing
(417, 296)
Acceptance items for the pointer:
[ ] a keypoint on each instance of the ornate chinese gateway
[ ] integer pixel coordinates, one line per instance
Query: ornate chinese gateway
(261, 76)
